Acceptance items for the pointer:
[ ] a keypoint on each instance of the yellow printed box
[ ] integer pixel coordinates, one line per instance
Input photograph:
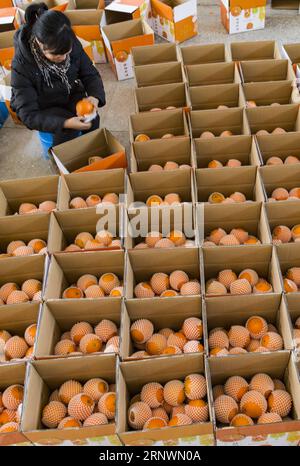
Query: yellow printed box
(175, 20)
(243, 15)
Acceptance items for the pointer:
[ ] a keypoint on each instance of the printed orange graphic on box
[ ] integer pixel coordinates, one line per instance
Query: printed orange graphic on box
(175, 20)
(243, 15)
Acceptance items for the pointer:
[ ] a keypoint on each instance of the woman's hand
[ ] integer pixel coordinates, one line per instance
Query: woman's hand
(93, 101)
(77, 124)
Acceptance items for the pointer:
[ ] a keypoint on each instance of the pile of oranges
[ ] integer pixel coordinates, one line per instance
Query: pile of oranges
(11, 408)
(20, 248)
(155, 239)
(261, 399)
(93, 200)
(89, 286)
(31, 290)
(291, 281)
(231, 163)
(30, 208)
(257, 335)
(176, 403)
(165, 286)
(282, 194)
(86, 241)
(166, 341)
(75, 404)
(290, 160)
(170, 199)
(16, 347)
(236, 237)
(84, 339)
(264, 132)
(246, 282)
(284, 234)
(211, 135)
(234, 198)
(168, 166)
(144, 137)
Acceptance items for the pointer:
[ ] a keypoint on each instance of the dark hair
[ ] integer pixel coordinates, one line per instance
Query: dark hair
(51, 28)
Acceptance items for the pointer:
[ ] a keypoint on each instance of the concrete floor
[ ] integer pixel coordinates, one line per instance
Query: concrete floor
(20, 151)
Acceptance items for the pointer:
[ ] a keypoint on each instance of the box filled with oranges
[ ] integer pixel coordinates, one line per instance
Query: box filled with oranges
(279, 149)
(161, 97)
(283, 222)
(289, 263)
(220, 96)
(256, 399)
(256, 50)
(277, 120)
(165, 402)
(156, 53)
(62, 403)
(208, 74)
(208, 124)
(273, 93)
(243, 15)
(281, 184)
(266, 70)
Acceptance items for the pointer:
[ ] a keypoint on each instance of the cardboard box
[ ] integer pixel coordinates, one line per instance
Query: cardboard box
(119, 38)
(267, 93)
(292, 302)
(255, 50)
(10, 19)
(46, 376)
(161, 96)
(288, 256)
(270, 118)
(250, 217)
(262, 259)
(5, 95)
(204, 53)
(160, 151)
(278, 145)
(133, 375)
(236, 310)
(208, 74)
(65, 226)
(243, 15)
(11, 374)
(217, 121)
(59, 5)
(7, 51)
(285, 4)
(84, 184)
(209, 97)
(24, 228)
(276, 215)
(153, 54)
(87, 4)
(142, 264)
(58, 317)
(291, 52)
(175, 20)
(65, 269)
(74, 154)
(158, 73)
(162, 313)
(157, 124)
(277, 176)
(266, 70)
(242, 148)
(277, 365)
(86, 26)
(34, 190)
(124, 10)
(16, 320)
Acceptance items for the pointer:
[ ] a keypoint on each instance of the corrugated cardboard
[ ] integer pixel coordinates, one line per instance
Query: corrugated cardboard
(208, 97)
(124, 10)
(75, 154)
(86, 4)
(35, 190)
(288, 256)
(270, 118)
(256, 50)
(133, 375)
(217, 121)
(59, 316)
(276, 215)
(161, 96)
(266, 70)
(292, 303)
(7, 50)
(157, 53)
(291, 52)
(277, 365)
(175, 20)
(204, 53)
(119, 38)
(243, 15)
(212, 73)
(158, 73)
(280, 176)
(65, 269)
(46, 376)
(267, 93)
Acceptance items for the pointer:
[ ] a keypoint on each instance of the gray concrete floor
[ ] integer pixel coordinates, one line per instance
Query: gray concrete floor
(20, 151)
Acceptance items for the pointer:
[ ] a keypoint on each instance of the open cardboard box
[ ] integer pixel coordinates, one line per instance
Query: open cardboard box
(217, 121)
(153, 54)
(262, 259)
(16, 320)
(34, 190)
(236, 310)
(161, 96)
(157, 124)
(209, 97)
(288, 216)
(242, 148)
(124, 10)
(292, 303)
(86, 26)
(59, 5)
(58, 317)
(86, 4)
(277, 365)
(10, 374)
(285, 4)
(160, 151)
(267, 93)
(251, 217)
(142, 264)
(241, 179)
(270, 118)
(84, 184)
(65, 269)
(24, 228)
(255, 50)
(243, 15)
(18, 270)
(204, 53)
(119, 38)
(266, 70)
(158, 73)
(73, 155)
(7, 50)
(208, 74)
(65, 226)
(286, 176)
(288, 256)
(292, 52)
(46, 376)
(278, 145)
(131, 378)
(162, 313)
(10, 18)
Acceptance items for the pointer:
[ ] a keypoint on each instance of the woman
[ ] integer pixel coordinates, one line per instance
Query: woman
(50, 74)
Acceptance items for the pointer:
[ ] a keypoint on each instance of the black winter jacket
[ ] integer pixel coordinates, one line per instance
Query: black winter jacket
(31, 95)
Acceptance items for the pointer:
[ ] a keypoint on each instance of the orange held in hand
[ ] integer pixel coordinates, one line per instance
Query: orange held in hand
(84, 107)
